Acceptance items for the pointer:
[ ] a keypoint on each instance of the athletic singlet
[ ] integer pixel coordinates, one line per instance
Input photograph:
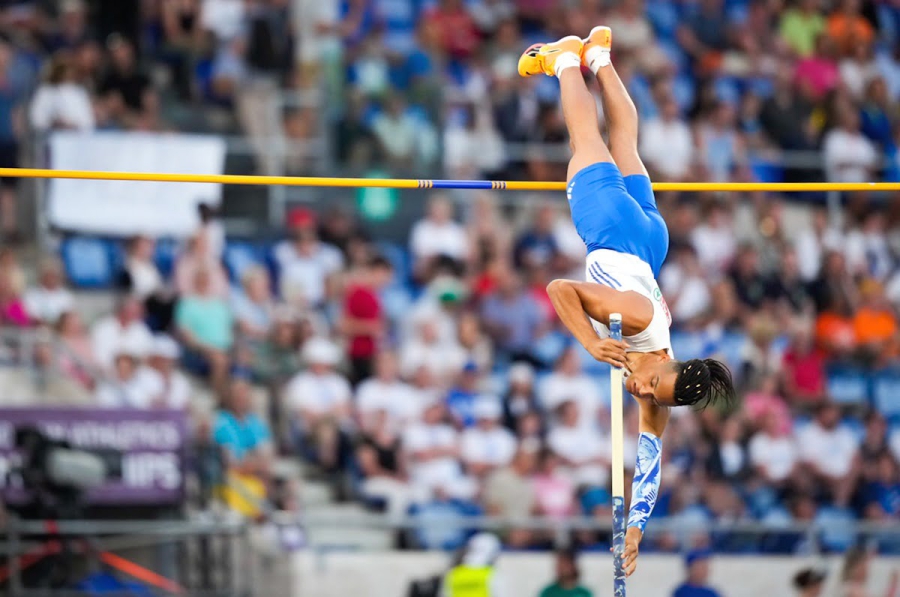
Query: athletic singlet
(624, 272)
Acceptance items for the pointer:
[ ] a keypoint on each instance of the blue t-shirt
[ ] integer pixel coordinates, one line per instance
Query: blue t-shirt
(687, 590)
(240, 436)
(461, 403)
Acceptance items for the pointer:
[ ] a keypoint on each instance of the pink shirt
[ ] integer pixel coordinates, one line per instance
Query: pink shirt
(554, 495)
(14, 313)
(819, 74)
(758, 404)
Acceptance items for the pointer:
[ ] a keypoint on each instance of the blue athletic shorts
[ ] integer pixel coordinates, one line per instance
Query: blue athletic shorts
(618, 213)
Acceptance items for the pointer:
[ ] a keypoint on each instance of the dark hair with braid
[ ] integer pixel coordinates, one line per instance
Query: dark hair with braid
(702, 382)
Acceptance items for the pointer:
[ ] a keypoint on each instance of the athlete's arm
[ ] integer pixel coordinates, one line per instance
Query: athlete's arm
(647, 472)
(576, 303)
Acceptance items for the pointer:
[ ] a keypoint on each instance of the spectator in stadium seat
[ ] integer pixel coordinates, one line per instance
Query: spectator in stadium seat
(169, 387)
(583, 450)
(667, 144)
(124, 327)
(253, 305)
(319, 403)
(748, 280)
(205, 326)
(513, 318)
(247, 442)
(857, 69)
(141, 278)
(473, 341)
(773, 453)
(487, 445)
(461, 398)
(881, 495)
(568, 575)
(378, 458)
(713, 238)
(875, 325)
(873, 444)
(803, 368)
(686, 288)
(787, 291)
(801, 25)
(489, 235)
(758, 358)
(277, 358)
(61, 102)
(385, 395)
(457, 29)
(125, 388)
(697, 582)
(554, 491)
(509, 492)
(306, 265)
(363, 321)
(50, 298)
(198, 256)
(849, 156)
(124, 87)
(867, 248)
(437, 235)
(445, 359)
(536, 245)
(817, 74)
(567, 382)
(76, 358)
(431, 447)
(832, 452)
(847, 26)
(520, 398)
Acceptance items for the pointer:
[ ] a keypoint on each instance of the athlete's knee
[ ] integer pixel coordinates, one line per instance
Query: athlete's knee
(558, 287)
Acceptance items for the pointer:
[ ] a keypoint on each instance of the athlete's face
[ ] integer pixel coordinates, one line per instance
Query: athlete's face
(653, 380)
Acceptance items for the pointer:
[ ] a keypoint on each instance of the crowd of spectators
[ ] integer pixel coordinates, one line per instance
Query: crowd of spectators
(434, 376)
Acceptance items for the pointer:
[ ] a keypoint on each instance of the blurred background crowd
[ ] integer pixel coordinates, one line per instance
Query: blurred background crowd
(417, 367)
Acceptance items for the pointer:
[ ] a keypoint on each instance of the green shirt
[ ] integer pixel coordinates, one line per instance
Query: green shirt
(207, 319)
(555, 590)
(800, 30)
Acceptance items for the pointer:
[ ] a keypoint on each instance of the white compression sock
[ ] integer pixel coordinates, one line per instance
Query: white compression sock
(566, 60)
(596, 57)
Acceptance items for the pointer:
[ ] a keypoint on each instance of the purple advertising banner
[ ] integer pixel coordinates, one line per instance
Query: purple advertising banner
(152, 444)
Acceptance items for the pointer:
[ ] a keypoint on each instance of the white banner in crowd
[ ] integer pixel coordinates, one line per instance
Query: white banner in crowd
(122, 208)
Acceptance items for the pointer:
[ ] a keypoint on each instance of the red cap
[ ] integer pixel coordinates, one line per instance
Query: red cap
(300, 217)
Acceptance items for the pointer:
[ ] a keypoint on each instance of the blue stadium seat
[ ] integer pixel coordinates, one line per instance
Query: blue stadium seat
(663, 17)
(88, 261)
(837, 528)
(165, 255)
(886, 393)
(239, 256)
(848, 385)
(684, 343)
(400, 259)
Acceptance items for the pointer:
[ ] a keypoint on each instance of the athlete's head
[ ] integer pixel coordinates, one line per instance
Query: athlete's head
(698, 382)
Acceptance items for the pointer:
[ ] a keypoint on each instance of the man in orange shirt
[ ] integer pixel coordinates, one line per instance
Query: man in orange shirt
(848, 28)
(875, 324)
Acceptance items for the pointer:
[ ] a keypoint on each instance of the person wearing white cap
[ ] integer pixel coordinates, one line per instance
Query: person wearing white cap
(487, 446)
(476, 576)
(168, 387)
(319, 401)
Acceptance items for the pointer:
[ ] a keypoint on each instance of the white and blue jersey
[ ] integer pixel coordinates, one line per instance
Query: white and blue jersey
(627, 241)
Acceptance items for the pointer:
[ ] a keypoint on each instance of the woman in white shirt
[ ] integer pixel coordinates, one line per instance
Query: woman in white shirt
(61, 102)
(141, 278)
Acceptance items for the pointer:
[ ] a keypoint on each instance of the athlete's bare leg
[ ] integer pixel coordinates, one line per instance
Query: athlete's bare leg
(622, 121)
(580, 113)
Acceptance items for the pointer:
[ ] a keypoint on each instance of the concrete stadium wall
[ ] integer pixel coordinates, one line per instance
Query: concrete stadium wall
(386, 574)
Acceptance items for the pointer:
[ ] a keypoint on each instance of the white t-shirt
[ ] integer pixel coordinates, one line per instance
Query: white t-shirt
(777, 455)
(715, 246)
(693, 293)
(317, 393)
(304, 276)
(145, 278)
(429, 239)
(810, 249)
(108, 336)
(174, 393)
(832, 451)
(47, 305)
(557, 388)
(443, 360)
(396, 397)
(849, 157)
(67, 103)
(623, 273)
(435, 472)
(495, 447)
(134, 393)
(668, 146)
(582, 446)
